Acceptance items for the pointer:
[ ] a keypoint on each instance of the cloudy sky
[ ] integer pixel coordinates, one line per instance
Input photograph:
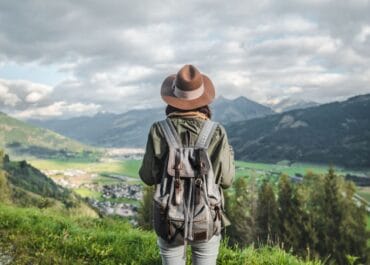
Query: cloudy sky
(71, 58)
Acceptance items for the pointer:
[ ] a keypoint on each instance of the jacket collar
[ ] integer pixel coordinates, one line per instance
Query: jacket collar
(188, 114)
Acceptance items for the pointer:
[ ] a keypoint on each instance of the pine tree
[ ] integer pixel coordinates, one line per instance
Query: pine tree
(354, 235)
(331, 217)
(241, 210)
(266, 215)
(5, 159)
(339, 220)
(295, 225)
(308, 236)
(145, 212)
(4, 188)
(1, 157)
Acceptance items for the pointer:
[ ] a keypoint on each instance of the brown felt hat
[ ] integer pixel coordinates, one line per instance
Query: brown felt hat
(188, 89)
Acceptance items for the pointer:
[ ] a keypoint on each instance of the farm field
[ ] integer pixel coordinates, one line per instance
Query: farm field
(124, 167)
(106, 171)
(364, 192)
(130, 168)
(258, 169)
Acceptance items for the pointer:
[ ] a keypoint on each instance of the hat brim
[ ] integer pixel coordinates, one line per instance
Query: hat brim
(185, 104)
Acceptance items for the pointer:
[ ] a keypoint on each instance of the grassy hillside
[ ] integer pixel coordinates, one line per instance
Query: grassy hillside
(25, 186)
(22, 139)
(32, 236)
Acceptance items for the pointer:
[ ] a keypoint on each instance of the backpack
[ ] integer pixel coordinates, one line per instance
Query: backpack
(187, 202)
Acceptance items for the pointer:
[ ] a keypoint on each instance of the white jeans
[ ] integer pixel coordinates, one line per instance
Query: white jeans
(202, 253)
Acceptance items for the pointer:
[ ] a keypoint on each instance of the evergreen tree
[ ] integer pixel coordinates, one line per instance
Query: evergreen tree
(331, 217)
(4, 188)
(340, 221)
(307, 236)
(5, 159)
(145, 212)
(241, 209)
(354, 235)
(1, 157)
(266, 215)
(295, 225)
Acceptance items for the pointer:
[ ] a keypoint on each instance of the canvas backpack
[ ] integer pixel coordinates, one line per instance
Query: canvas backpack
(187, 203)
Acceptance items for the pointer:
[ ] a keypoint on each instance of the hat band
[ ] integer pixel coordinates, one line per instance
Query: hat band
(189, 95)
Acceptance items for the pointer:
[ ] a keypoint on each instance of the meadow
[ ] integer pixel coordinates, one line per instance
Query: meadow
(122, 167)
(131, 167)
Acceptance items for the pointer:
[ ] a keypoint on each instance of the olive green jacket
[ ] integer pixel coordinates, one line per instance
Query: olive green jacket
(220, 152)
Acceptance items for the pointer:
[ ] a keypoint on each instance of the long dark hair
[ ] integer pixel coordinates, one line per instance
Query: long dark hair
(204, 109)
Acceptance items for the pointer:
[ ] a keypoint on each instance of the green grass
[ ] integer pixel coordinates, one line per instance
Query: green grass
(131, 167)
(45, 237)
(84, 192)
(125, 167)
(258, 169)
(364, 192)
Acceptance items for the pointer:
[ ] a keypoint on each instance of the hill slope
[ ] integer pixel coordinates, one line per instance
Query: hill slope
(83, 129)
(35, 237)
(20, 138)
(23, 185)
(130, 129)
(336, 133)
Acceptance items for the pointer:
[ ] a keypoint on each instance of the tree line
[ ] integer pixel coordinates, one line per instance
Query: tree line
(317, 217)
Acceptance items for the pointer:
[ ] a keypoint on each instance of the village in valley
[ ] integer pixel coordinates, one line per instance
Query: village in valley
(109, 193)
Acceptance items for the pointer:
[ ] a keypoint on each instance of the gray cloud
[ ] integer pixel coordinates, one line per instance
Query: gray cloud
(115, 54)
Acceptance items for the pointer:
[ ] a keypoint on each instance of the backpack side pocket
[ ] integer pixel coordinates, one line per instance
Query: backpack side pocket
(160, 222)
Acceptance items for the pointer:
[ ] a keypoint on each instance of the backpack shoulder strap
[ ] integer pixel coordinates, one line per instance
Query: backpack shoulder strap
(206, 134)
(170, 133)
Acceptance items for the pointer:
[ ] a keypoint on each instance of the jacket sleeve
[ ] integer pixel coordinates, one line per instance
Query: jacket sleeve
(151, 167)
(223, 159)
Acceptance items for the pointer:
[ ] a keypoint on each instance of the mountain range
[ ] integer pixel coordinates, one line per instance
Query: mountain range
(333, 133)
(130, 129)
(337, 132)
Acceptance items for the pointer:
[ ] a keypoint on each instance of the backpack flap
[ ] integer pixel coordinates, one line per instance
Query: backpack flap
(187, 158)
